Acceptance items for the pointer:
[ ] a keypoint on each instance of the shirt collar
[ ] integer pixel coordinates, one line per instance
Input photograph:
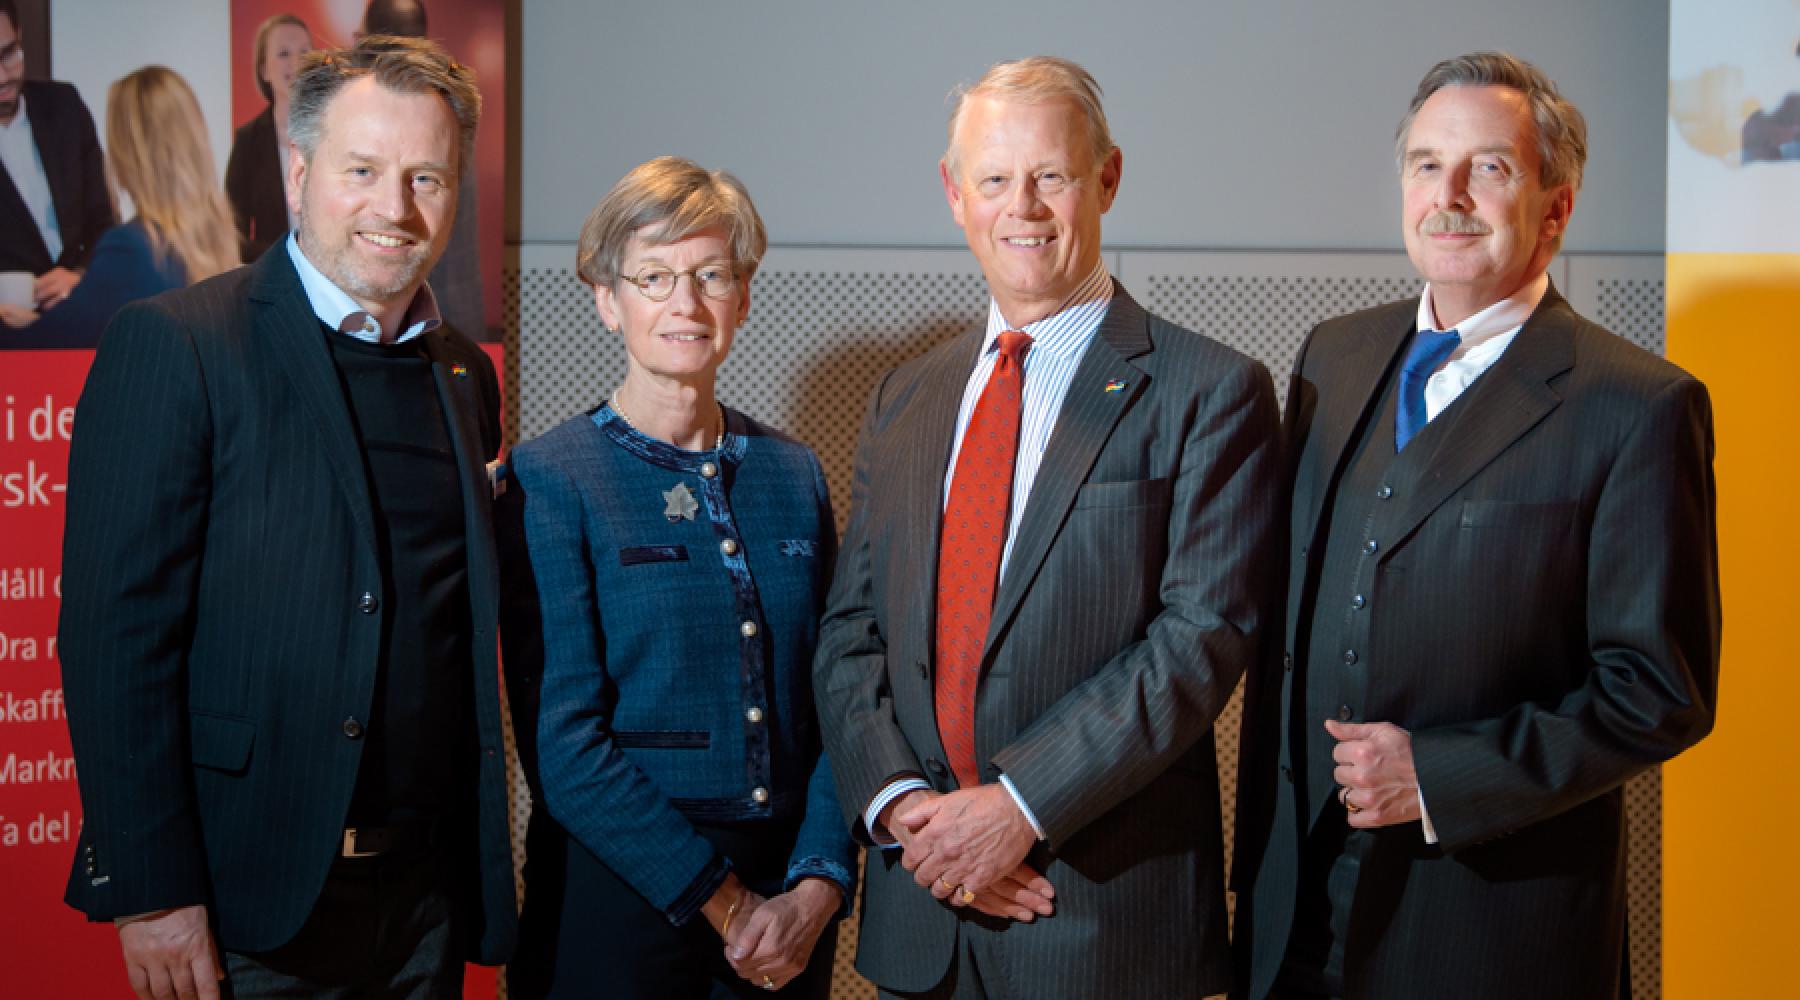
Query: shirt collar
(1067, 330)
(1502, 317)
(20, 121)
(336, 309)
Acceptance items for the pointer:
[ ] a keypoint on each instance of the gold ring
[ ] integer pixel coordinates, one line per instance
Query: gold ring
(967, 896)
(768, 984)
(940, 881)
(1349, 806)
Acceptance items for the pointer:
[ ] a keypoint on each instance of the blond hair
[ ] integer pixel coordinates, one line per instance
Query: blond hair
(1036, 80)
(157, 151)
(259, 49)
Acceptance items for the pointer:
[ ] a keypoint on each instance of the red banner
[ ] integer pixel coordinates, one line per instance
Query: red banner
(57, 953)
(54, 951)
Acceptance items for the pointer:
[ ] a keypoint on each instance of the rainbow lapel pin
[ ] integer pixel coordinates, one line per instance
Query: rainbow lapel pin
(460, 370)
(1114, 386)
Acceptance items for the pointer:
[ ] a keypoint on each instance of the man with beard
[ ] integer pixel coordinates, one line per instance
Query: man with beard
(53, 200)
(281, 584)
(1503, 596)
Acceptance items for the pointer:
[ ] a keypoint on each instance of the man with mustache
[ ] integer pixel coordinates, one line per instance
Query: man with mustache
(1502, 596)
(282, 584)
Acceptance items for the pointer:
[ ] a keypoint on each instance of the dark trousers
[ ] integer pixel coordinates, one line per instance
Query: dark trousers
(383, 927)
(586, 933)
(1330, 862)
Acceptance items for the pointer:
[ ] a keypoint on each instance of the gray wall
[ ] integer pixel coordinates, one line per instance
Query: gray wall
(1249, 125)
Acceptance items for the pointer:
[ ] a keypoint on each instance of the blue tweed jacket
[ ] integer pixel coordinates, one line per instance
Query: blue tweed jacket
(680, 597)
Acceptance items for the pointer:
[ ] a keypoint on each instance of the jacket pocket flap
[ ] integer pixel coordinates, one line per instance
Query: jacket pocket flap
(221, 742)
(634, 554)
(1134, 493)
(1511, 514)
(663, 739)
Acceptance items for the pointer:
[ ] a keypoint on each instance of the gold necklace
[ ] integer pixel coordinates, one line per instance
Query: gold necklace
(718, 427)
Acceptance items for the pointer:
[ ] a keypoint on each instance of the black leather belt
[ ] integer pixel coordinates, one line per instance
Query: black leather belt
(411, 836)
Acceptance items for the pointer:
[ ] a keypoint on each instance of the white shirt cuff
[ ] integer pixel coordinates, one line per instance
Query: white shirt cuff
(1425, 820)
(1019, 800)
(872, 815)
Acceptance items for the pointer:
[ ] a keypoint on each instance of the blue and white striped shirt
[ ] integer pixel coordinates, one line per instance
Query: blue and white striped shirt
(1058, 342)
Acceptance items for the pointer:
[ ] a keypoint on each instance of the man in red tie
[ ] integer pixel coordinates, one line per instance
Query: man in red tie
(1057, 566)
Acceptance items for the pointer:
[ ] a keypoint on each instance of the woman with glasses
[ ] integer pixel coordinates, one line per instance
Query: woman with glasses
(681, 552)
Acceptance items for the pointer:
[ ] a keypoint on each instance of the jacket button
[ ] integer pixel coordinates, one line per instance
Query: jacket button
(708, 470)
(728, 546)
(1349, 657)
(1358, 601)
(352, 728)
(1370, 546)
(1385, 493)
(936, 766)
(760, 794)
(1344, 713)
(747, 630)
(1287, 662)
(368, 605)
(754, 714)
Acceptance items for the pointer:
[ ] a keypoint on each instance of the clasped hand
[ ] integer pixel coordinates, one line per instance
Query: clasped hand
(968, 848)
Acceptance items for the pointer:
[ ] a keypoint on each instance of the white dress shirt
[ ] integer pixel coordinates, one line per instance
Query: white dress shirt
(1058, 343)
(18, 150)
(336, 309)
(1485, 336)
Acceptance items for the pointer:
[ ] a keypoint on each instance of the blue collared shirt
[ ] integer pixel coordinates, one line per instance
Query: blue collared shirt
(336, 309)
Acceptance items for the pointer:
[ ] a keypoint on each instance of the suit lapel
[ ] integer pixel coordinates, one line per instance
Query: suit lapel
(457, 394)
(284, 315)
(1088, 416)
(1505, 402)
(62, 176)
(934, 416)
(1340, 417)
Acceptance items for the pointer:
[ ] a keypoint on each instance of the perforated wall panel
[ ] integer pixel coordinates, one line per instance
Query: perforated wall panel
(824, 324)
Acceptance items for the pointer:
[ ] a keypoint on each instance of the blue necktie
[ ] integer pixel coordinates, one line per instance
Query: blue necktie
(1429, 349)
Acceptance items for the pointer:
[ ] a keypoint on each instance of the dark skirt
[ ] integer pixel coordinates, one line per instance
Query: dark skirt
(586, 933)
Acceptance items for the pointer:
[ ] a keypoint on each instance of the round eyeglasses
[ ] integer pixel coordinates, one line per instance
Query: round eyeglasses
(715, 281)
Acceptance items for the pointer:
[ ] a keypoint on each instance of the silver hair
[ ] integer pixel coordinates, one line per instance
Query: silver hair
(1561, 129)
(666, 200)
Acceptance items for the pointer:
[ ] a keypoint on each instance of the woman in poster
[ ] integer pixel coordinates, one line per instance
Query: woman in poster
(158, 154)
(253, 175)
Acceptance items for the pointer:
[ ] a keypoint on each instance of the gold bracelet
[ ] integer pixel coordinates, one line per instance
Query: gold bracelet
(725, 933)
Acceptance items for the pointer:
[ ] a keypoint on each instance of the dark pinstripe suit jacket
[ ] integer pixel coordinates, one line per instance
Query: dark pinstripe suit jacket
(215, 634)
(1133, 598)
(1545, 620)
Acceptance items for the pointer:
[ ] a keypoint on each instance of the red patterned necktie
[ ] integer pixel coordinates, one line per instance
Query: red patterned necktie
(975, 522)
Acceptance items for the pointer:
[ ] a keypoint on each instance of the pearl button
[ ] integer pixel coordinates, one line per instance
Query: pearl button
(760, 794)
(708, 470)
(728, 546)
(754, 714)
(747, 630)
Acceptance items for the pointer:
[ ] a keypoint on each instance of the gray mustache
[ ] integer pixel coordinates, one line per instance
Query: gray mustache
(1460, 223)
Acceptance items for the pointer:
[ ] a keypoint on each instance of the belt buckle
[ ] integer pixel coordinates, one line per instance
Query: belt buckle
(349, 847)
